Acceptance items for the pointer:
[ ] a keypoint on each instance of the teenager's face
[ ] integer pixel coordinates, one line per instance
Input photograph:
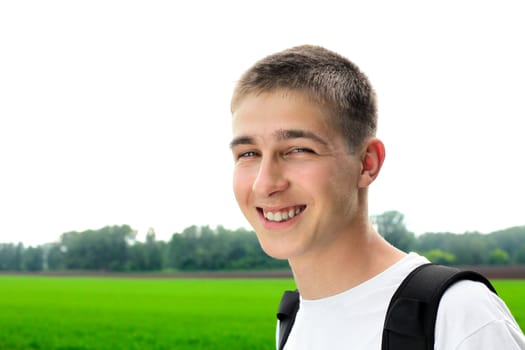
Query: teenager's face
(294, 177)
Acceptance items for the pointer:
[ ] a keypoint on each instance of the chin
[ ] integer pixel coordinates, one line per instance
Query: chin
(276, 255)
(275, 248)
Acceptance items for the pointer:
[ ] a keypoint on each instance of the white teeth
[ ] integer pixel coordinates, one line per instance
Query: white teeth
(281, 216)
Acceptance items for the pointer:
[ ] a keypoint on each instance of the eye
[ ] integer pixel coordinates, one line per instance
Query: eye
(249, 154)
(301, 150)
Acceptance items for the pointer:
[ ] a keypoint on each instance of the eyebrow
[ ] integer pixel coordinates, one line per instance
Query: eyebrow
(242, 140)
(281, 135)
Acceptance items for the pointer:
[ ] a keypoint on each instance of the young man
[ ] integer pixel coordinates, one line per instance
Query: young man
(305, 151)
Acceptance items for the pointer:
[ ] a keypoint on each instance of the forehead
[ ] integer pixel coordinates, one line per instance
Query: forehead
(279, 110)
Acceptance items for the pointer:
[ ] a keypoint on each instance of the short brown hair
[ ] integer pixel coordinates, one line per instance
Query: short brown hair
(333, 81)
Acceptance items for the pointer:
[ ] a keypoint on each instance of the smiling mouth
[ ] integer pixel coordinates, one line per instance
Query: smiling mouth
(283, 214)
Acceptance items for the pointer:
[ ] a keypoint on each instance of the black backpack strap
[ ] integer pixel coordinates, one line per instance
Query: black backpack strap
(286, 315)
(411, 315)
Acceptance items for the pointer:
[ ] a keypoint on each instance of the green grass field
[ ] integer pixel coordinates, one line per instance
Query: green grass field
(512, 292)
(107, 313)
(114, 313)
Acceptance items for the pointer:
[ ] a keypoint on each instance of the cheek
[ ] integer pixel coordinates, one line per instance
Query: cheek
(342, 187)
(242, 184)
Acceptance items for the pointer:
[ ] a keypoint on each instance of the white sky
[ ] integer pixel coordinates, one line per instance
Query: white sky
(117, 112)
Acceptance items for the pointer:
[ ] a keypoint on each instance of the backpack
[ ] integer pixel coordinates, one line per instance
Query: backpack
(411, 316)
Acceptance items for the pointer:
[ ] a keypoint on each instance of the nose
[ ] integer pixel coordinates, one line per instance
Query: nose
(270, 178)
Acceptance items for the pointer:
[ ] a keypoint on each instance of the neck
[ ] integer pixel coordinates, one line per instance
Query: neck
(347, 262)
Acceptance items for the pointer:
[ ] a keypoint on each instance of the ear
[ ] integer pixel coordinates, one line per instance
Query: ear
(372, 159)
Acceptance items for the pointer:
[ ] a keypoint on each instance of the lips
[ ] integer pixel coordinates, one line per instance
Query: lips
(281, 215)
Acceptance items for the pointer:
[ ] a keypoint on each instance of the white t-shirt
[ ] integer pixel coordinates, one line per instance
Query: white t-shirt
(470, 317)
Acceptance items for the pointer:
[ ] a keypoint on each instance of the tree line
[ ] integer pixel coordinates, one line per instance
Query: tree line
(201, 248)
(115, 248)
(503, 247)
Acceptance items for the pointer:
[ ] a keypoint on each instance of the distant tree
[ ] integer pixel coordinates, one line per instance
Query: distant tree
(499, 257)
(153, 250)
(392, 227)
(55, 257)
(11, 256)
(431, 240)
(136, 257)
(472, 248)
(19, 257)
(181, 249)
(104, 249)
(202, 248)
(34, 259)
(511, 240)
(520, 255)
(437, 256)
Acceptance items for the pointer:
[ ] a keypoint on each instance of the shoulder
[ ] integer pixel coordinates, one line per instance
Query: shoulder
(470, 295)
(469, 313)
